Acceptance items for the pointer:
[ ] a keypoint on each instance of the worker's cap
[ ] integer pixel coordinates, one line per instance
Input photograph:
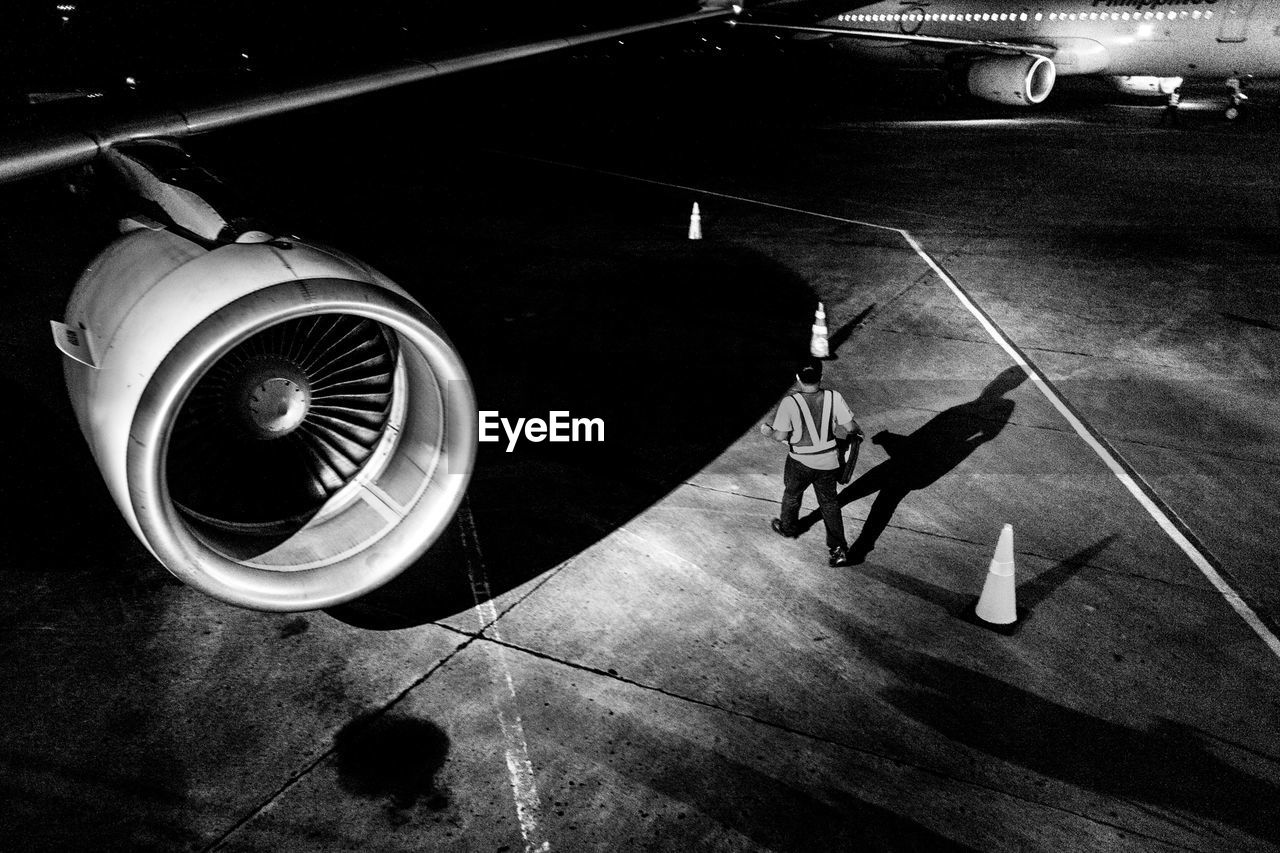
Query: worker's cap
(810, 372)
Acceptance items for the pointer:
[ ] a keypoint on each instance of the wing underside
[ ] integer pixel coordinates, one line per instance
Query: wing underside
(35, 152)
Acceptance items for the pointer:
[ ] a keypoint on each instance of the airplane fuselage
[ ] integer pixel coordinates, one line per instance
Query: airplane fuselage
(1163, 38)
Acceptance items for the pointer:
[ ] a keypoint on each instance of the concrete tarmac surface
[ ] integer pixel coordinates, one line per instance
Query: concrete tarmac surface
(610, 649)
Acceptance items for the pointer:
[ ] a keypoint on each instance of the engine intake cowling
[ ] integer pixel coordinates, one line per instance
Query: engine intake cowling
(1012, 80)
(283, 427)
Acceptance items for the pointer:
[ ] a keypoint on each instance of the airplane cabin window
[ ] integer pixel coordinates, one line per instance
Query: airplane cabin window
(1039, 16)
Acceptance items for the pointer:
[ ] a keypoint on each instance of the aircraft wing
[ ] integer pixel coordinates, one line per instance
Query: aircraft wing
(880, 35)
(35, 152)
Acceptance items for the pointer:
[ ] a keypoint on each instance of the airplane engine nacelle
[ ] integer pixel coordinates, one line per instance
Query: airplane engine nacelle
(283, 427)
(1013, 80)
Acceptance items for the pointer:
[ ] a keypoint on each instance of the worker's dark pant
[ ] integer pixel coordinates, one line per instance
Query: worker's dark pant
(796, 477)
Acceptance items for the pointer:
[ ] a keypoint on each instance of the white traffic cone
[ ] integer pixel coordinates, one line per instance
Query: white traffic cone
(818, 345)
(998, 602)
(695, 223)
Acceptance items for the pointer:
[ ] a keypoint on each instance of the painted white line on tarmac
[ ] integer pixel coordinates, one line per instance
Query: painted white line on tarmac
(1127, 475)
(519, 767)
(1123, 472)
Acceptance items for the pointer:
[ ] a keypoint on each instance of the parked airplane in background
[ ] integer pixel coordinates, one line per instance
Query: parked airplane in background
(1011, 52)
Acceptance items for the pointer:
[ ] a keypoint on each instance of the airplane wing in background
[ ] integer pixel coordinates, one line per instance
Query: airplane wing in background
(935, 41)
(35, 152)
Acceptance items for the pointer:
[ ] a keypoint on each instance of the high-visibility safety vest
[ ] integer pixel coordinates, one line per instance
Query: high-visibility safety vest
(820, 440)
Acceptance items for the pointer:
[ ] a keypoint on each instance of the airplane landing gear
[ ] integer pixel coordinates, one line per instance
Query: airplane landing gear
(1238, 100)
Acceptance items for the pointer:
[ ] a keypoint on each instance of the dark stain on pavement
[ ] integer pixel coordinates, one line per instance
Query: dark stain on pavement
(392, 756)
(293, 627)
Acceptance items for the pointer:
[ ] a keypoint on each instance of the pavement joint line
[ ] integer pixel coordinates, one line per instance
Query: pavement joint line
(1052, 351)
(984, 545)
(1164, 515)
(910, 286)
(1049, 558)
(811, 736)
(324, 755)
(519, 768)
(931, 336)
(1010, 423)
(1200, 452)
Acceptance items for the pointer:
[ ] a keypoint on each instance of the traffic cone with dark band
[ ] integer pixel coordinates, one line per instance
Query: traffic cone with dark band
(819, 347)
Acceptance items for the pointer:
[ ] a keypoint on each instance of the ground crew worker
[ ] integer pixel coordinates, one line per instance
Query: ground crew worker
(810, 421)
(1238, 99)
(1170, 115)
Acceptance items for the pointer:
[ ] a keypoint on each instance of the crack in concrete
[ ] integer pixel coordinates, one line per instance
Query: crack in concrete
(1053, 351)
(1188, 587)
(1193, 451)
(933, 336)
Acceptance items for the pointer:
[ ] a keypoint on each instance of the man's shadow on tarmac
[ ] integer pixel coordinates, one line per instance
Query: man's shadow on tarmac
(918, 460)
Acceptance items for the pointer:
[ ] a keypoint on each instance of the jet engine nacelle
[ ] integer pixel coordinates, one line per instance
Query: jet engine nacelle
(1013, 80)
(283, 427)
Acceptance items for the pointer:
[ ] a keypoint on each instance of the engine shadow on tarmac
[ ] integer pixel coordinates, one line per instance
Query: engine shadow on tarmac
(692, 342)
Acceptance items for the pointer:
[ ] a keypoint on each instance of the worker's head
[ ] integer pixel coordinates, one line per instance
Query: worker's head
(810, 372)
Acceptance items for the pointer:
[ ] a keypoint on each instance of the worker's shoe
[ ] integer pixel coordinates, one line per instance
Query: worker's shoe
(839, 557)
(776, 524)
